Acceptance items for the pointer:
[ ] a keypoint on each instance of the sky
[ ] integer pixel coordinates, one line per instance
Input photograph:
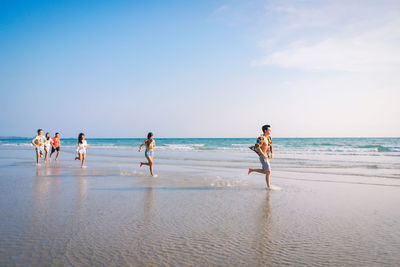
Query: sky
(200, 68)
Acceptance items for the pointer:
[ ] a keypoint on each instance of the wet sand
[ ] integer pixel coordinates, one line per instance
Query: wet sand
(113, 213)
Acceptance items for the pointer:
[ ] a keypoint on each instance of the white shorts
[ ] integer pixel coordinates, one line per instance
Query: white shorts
(81, 151)
(40, 150)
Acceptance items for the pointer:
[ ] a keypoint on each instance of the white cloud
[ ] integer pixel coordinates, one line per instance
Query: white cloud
(365, 52)
(339, 36)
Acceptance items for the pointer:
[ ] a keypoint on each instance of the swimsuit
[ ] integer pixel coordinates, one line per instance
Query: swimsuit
(149, 153)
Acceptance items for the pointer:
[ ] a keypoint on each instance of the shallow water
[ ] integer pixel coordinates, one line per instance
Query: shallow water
(198, 211)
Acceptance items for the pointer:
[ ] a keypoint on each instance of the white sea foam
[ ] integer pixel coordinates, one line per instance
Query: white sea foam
(275, 188)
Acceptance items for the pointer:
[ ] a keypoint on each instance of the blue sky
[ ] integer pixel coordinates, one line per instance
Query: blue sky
(200, 68)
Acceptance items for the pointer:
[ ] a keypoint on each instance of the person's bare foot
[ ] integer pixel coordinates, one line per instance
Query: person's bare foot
(76, 158)
(141, 164)
(250, 171)
(83, 167)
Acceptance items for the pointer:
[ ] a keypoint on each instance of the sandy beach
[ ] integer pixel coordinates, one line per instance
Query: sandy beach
(113, 213)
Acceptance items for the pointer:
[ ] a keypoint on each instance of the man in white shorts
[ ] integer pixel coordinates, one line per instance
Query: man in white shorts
(38, 143)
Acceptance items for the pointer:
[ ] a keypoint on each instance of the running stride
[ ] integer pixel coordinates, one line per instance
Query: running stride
(263, 148)
(149, 153)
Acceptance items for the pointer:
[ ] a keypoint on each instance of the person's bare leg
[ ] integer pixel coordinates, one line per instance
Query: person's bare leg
(37, 158)
(267, 178)
(58, 153)
(45, 155)
(144, 163)
(151, 168)
(150, 164)
(83, 159)
(256, 170)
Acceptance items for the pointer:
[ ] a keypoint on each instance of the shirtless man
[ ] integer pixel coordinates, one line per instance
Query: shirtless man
(263, 148)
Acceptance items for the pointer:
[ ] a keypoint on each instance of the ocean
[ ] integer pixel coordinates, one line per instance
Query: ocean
(368, 157)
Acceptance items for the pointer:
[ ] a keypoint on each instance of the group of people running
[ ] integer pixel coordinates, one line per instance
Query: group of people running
(43, 144)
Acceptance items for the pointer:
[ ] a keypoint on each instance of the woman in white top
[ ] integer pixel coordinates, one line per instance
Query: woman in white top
(81, 149)
(47, 146)
(149, 153)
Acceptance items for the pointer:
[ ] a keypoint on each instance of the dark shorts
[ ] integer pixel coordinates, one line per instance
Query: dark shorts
(54, 149)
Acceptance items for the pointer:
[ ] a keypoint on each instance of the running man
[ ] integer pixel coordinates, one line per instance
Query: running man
(38, 143)
(263, 148)
(55, 146)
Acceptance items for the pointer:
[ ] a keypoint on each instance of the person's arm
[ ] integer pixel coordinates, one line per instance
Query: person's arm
(86, 145)
(260, 152)
(270, 147)
(34, 142)
(140, 148)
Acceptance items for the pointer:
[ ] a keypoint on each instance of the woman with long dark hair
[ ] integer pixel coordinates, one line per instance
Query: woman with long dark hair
(149, 153)
(81, 149)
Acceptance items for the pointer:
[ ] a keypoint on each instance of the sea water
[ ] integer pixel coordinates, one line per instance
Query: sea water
(366, 157)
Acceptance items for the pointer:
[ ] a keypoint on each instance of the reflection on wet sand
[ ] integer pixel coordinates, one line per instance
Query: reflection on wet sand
(46, 187)
(148, 205)
(262, 239)
(81, 192)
